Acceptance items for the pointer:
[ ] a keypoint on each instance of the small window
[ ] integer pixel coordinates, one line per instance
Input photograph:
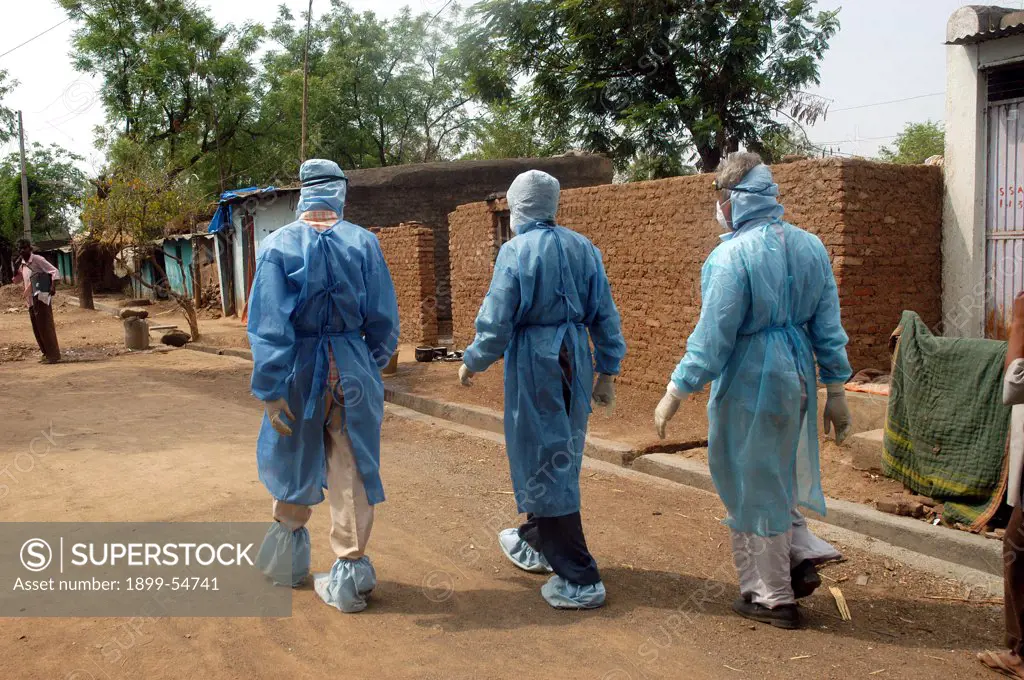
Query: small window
(502, 227)
(1006, 83)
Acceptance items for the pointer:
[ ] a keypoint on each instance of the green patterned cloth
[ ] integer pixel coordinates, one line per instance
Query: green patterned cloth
(946, 428)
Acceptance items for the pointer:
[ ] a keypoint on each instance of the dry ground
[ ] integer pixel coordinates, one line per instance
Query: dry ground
(170, 437)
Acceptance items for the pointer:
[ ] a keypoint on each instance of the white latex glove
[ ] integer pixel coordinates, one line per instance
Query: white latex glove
(837, 412)
(604, 391)
(274, 410)
(667, 408)
(466, 375)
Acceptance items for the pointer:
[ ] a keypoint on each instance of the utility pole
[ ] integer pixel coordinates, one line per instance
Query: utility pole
(305, 82)
(26, 215)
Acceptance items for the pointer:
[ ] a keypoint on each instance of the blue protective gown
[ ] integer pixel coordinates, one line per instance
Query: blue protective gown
(313, 291)
(769, 308)
(549, 287)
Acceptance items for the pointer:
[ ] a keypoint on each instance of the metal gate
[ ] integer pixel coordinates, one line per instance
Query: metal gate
(1004, 220)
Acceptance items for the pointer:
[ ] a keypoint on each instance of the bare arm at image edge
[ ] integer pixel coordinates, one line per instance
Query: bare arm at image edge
(1013, 380)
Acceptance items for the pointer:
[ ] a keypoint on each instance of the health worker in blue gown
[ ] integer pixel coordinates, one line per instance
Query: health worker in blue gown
(323, 321)
(548, 300)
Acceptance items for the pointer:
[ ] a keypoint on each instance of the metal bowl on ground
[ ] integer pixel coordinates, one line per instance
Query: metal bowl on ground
(424, 355)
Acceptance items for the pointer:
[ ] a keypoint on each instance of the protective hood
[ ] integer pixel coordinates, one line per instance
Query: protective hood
(324, 187)
(755, 199)
(533, 198)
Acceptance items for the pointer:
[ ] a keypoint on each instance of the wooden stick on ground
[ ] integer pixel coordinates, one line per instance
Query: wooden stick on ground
(844, 609)
(991, 600)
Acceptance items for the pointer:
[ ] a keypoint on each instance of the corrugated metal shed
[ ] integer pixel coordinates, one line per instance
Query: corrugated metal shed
(979, 23)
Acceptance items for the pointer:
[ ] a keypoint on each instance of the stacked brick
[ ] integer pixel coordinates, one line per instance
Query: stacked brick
(880, 223)
(409, 251)
(473, 246)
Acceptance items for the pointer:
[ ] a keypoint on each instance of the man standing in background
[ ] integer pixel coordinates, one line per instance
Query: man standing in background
(40, 279)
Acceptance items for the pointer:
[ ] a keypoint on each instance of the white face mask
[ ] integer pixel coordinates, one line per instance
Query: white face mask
(720, 216)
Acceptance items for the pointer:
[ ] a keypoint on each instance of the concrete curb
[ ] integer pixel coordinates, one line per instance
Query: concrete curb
(958, 547)
(220, 351)
(99, 306)
(493, 421)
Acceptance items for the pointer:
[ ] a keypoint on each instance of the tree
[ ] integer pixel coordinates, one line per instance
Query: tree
(917, 143)
(172, 78)
(506, 131)
(382, 92)
(136, 204)
(56, 188)
(647, 167)
(659, 78)
(786, 141)
(8, 118)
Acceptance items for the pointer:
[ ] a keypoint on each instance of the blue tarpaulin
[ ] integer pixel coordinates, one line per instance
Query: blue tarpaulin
(222, 218)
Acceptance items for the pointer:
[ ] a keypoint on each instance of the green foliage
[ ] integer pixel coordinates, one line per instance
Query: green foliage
(917, 143)
(785, 141)
(381, 92)
(140, 201)
(661, 78)
(172, 79)
(647, 167)
(8, 118)
(56, 188)
(505, 131)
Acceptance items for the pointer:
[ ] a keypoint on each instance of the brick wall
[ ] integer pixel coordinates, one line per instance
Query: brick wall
(890, 256)
(473, 246)
(428, 192)
(880, 223)
(409, 251)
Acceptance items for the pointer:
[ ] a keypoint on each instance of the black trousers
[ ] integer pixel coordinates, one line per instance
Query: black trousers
(560, 539)
(41, 315)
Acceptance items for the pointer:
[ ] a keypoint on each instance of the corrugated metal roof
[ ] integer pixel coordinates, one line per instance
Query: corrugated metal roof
(239, 195)
(978, 23)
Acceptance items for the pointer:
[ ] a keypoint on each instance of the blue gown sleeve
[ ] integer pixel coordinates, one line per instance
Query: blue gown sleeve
(826, 328)
(725, 301)
(496, 320)
(381, 326)
(271, 333)
(605, 326)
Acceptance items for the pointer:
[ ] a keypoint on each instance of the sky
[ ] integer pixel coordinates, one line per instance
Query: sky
(886, 50)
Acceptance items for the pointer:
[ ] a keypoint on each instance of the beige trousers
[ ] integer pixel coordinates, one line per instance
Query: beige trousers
(351, 513)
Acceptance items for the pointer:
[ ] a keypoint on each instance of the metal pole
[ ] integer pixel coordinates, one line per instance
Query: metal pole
(26, 215)
(305, 81)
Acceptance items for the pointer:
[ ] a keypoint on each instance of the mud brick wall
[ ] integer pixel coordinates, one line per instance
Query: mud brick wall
(473, 245)
(890, 256)
(881, 225)
(428, 192)
(409, 251)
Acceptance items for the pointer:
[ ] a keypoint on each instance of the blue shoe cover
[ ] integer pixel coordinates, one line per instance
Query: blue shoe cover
(284, 555)
(561, 594)
(347, 585)
(521, 554)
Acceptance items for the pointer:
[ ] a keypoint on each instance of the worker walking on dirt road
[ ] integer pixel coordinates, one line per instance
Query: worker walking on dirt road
(769, 309)
(549, 289)
(323, 321)
(40, 280)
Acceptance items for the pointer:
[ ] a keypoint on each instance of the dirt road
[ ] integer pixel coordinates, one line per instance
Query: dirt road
(170, 437)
